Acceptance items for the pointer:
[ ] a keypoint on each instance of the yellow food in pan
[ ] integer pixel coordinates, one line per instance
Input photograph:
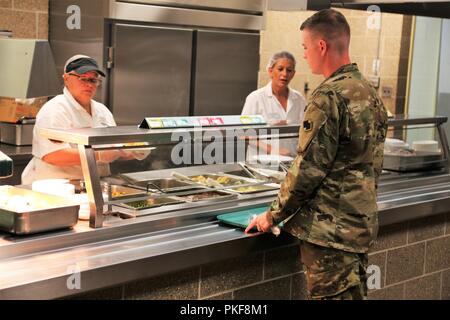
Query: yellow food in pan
(116, 194)
(199, 179)
(223, 180)
(250, 189)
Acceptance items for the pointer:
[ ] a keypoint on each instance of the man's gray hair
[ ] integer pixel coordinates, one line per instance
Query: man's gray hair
(281, 55)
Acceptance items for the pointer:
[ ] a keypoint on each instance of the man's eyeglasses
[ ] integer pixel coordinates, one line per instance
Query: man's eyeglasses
(95, 81)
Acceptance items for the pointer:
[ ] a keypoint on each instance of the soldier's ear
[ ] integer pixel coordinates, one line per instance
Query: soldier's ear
(323, 46)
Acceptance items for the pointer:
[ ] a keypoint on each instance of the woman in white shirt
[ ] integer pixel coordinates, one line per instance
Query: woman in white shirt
(75, 108)
(279, 104)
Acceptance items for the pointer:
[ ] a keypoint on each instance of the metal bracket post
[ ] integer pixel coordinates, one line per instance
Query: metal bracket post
(93, 188)
(444, 143)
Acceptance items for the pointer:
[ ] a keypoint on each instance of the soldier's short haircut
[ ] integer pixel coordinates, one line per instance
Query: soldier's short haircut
(330, 25)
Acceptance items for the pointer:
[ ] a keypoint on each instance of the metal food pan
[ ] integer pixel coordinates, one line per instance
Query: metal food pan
(260, 172)
(254, 189)
(123, 192)
(208, 196)
(241, 173)
(230, 180)
(150, 203)
(44, 212)
(165, 185)
(419, 161)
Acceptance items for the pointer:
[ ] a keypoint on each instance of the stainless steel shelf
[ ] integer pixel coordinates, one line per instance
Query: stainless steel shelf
(128, 134)
(402, 121)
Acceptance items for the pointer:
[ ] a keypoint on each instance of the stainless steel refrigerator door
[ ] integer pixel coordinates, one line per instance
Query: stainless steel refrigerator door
(227, 67)
(151, 76)
(68, 39)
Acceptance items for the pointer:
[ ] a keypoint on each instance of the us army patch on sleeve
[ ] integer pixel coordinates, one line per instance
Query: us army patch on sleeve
(307, 125)
(314, 119)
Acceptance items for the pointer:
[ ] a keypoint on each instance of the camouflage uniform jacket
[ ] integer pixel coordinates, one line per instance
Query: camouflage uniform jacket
(331, 188)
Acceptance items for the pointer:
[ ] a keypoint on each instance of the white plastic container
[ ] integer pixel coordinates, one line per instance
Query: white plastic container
(83, 201)
(426, 146)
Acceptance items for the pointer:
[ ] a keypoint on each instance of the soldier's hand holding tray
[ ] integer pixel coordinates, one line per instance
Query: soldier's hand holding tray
(263, 223)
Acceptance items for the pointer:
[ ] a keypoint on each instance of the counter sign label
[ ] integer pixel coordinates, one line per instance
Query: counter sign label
(194, 122)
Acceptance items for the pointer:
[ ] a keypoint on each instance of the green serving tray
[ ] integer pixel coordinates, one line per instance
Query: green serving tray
(241, 218)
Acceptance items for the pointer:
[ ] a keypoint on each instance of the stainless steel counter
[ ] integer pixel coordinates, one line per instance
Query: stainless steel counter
(20, 157)
(39, 266)
(16, 153)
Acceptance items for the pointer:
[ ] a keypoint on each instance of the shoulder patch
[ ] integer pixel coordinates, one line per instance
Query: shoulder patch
(314, 119)
(307, 125)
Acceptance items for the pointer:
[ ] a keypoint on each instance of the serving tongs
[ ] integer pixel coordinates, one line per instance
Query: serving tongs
(284, 167)
(247, 170)
(130, 183)
(125, 181)
(180, 176)
(151, 185)
(267, 174)
(209, 182)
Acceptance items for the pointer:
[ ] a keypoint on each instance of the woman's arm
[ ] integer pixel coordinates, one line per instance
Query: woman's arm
(63, 158)
(71, 157)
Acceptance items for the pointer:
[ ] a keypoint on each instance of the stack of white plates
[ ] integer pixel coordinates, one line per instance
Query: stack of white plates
(395, 145)
(83, 200)
(57, 187)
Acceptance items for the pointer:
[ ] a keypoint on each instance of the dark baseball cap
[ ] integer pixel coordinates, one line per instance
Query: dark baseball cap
(82, 64)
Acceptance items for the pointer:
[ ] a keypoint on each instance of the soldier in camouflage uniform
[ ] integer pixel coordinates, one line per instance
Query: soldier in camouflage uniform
(329, 193)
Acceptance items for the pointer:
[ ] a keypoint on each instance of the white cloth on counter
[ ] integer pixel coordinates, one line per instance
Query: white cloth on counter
(62, 112)
(263, 102)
